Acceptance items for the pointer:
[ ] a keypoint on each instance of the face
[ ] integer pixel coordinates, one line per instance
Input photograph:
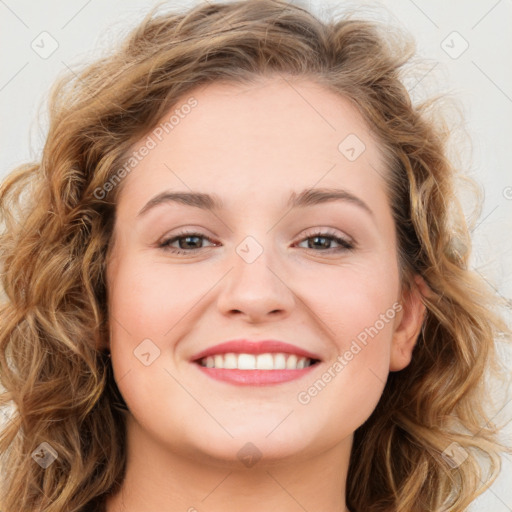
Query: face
(320, 275)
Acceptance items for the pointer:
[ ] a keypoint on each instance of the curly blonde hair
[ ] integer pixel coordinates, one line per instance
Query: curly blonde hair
(57, 233)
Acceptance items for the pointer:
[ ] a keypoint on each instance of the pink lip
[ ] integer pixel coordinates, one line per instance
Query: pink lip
(254, 377)
(254, 347)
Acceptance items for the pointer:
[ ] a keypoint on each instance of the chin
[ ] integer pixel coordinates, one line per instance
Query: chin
(250, 447)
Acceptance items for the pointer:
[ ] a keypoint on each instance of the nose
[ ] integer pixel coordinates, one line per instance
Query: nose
(257, 291)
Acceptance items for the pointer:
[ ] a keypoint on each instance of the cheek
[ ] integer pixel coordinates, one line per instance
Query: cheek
(147, 298)
(359, 309)
(145, 303)
(358, 302)
(150, 305)
(141, 311)
(343, 397)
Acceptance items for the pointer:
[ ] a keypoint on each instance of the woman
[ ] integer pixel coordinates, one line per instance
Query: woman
(241, 281)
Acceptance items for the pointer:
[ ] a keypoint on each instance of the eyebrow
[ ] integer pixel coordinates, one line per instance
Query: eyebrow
(308, 197)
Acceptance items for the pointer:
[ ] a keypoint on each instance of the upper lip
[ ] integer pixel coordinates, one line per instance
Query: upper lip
(243, 346)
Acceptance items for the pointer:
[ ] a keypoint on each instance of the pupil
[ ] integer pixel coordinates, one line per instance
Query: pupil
(186, 241)
(316, 238)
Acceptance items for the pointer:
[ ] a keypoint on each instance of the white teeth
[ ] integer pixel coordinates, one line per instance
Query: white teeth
(268, 361)
(291, 362)
(230, 361)
(279, 361)
(265, 362)
(246, 362)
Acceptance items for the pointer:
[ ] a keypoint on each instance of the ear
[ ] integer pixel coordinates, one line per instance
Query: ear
(408, 325)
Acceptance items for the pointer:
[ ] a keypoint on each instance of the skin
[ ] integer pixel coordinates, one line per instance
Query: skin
(252, 145)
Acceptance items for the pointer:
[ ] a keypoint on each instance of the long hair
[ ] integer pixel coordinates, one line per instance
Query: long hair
(58, 215)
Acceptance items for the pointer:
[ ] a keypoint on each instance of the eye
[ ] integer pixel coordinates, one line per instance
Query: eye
(186, 240)
(191, 242)
(324, 239)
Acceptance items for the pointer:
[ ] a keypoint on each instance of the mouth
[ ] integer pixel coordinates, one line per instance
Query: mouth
(244, 362)
(267, 361)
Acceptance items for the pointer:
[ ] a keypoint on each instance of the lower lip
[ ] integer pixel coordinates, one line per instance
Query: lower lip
(255, 377)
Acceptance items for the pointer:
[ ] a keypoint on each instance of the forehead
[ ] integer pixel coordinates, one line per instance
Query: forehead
(276, 132)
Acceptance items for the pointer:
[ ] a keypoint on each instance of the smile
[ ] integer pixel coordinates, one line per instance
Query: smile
(268, 361)
(255, 363)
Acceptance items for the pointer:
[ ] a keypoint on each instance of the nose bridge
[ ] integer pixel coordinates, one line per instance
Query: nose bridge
(254, 285)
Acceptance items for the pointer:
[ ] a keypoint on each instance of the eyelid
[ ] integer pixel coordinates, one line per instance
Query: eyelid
(345, 242)
(186, 231)
(328, 231)
(164, 243)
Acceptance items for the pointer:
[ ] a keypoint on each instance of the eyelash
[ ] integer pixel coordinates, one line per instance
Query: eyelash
(345, 245)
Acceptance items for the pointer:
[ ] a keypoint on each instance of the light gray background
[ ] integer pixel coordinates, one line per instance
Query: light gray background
(480, 76)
